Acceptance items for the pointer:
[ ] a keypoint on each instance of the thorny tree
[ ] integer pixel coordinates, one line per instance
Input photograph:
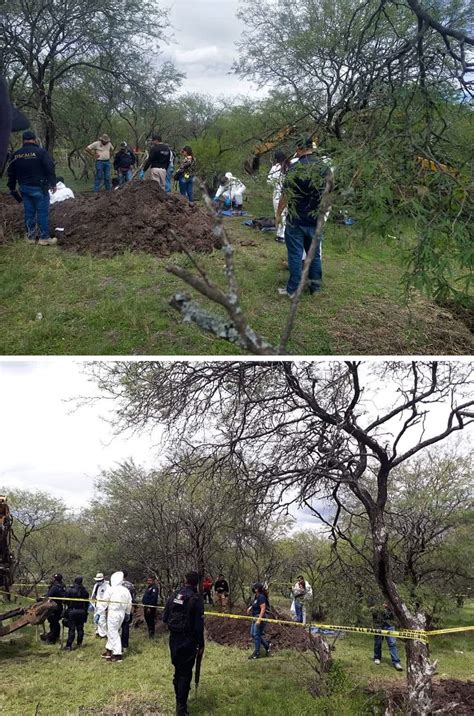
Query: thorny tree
(168, 521)
(304, 432)
(44, 43)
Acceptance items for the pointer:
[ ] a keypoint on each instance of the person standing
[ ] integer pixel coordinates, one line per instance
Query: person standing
(207, 589)
(76, 612)
(185, 174)
(258, 609)
(158, 160)
(150, 602)
(302, 592)
(302, 190)
(184, 616)
(275, 178)
(383, 618)
(124, 160)
(118, 603)
(33, 168)
(169, 172)
(221, 590)
(100, 587)
(125, 634)
(57, 590)
(101, 151)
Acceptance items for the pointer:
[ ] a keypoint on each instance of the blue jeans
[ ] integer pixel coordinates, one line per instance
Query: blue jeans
(102, 173)
(256, 632)
(36, 207)
(169, 178)
(392, 646)
(298, 238)
(124, 177)
(186, 188)
(299, 611)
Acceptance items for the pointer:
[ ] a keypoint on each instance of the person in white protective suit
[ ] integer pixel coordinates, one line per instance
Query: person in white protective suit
(118, 602)
(98, 608)
(275, 178)
(231, 191)
(62, 192)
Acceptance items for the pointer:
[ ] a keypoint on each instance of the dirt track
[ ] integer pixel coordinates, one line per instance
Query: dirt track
(137, 217)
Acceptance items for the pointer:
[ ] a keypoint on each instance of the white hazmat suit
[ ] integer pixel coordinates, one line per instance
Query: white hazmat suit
(232, 189)
(100, 589)
(118, 602)
(62, 192)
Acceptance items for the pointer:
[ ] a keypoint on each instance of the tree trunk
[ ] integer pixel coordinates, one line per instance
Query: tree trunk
(47, 123)
(420, 670)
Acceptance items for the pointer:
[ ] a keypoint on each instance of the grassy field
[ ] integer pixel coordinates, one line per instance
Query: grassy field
(40, 680)
(120, 306)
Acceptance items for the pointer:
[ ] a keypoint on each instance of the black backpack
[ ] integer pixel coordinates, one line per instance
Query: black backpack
(181, 613)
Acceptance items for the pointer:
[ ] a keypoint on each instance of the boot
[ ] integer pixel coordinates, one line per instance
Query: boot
(182, 710)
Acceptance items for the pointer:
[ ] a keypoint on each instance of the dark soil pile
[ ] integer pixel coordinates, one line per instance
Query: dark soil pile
(449, 695)
(138, 217)
(236, 632)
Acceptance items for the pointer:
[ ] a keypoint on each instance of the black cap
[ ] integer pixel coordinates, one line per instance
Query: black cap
(77, 580)
(28, 135)
(58, 577)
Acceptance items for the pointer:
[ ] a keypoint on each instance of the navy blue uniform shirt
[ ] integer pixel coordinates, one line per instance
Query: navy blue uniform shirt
(31, 166)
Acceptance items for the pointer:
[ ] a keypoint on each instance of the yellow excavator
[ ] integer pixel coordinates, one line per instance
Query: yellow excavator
(19, 617)
(278, 138)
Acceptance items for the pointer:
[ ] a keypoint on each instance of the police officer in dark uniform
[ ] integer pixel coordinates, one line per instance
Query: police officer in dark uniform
(33, 169)
(76, 612)
(150, 602)
(184, 615)
(57, 589)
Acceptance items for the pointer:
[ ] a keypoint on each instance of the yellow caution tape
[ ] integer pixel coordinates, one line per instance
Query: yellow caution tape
(416, 634)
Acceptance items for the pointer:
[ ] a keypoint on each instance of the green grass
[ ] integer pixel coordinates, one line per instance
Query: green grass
(120, 306)
(42, 680)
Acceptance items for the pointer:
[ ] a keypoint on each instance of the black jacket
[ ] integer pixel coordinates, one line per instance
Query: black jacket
(221, 586)
(184, 614)
(124, 160)
(31, 166)
(57, 589)
(159, 157)
(150, 597)
(77, 592)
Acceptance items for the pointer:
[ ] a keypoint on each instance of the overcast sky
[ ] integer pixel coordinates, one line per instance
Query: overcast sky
(204, 35)
(50, 444)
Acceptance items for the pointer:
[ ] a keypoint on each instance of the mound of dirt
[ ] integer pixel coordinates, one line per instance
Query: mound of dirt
(236, 632)
(138, 217)
(449, 696)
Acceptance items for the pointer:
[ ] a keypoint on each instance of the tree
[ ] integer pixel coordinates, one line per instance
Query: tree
(37, 520)
(302, 432)
(382, 86)
(174, 519)
(46, 42)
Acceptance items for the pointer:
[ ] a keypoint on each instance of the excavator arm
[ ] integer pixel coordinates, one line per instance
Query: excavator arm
(36, 614)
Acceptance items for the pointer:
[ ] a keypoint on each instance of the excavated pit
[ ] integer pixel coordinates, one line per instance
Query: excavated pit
(137, 217)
